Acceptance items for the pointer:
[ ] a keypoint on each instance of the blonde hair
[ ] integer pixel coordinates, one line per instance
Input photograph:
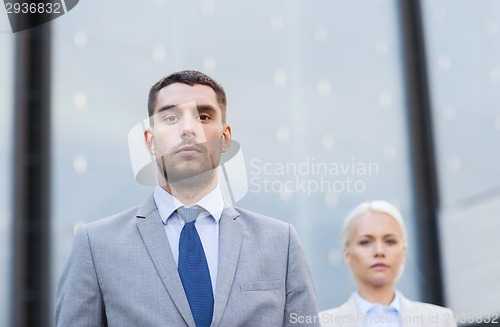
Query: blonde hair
(377, 206)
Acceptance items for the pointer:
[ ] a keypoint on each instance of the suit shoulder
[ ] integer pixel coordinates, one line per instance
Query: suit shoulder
(261, 219)
(117, 219)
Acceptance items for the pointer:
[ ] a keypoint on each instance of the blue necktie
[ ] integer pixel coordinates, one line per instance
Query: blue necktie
(193, 269)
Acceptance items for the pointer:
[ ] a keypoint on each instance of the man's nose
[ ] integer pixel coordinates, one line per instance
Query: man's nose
(190, 126)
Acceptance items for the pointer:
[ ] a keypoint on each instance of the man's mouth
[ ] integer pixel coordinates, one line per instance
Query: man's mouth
(188, 149)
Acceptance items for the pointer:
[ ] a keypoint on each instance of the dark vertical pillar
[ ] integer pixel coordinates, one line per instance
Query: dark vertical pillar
(422, 150)
(30, 300)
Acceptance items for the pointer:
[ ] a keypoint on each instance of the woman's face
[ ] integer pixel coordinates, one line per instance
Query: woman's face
(375, 250)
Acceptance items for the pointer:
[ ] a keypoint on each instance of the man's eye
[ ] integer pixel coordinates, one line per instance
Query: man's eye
(391, 242)
(204, 117)
(170, 119)
(364, 242)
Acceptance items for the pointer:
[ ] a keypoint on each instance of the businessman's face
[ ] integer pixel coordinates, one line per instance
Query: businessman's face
(376, 250)
(188, 135)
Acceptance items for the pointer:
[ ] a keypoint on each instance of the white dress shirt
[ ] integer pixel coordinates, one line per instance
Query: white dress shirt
(207, 225)
(375, 314)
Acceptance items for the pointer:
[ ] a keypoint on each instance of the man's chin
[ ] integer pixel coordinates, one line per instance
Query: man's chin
(190, 176)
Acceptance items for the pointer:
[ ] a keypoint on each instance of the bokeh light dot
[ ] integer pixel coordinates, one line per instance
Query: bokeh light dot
(389, 152)
(495, 75)
(285, 194)
(385, 99)
(321, 34)
(159, 54)
(444, 62)
(277, 23)
(334, 257)
(207, 7)
(209, 64)
(80, 164)
(282, 134)
(80, 100)
(440, 14)
(381, 48)
(449, 112)
(324, 87)
(331, 199)
(80, 39)
(497, 122)
(454, 164)
(279, 78)
(327, 142)
(490, 28)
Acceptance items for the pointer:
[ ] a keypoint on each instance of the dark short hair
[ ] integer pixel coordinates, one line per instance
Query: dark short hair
(189, 77)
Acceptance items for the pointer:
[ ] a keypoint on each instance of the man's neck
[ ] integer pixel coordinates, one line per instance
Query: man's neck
(191, 190)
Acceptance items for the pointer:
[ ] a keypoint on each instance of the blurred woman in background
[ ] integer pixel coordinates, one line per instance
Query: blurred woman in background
(374, 240)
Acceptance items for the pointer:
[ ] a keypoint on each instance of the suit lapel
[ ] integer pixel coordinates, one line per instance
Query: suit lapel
(153, 235)
(230, 236)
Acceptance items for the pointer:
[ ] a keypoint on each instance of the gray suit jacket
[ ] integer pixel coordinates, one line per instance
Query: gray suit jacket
(121, 272)
(412, 314)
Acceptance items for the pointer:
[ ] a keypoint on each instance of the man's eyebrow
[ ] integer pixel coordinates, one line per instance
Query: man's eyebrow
(166, 107)
(205, 108)
(202, 107)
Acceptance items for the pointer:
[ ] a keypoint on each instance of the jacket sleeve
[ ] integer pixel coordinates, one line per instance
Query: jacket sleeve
(79, 301)
(301, 309)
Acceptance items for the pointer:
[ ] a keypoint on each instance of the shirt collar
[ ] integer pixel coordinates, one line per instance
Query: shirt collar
(213, 202)
(364, 306)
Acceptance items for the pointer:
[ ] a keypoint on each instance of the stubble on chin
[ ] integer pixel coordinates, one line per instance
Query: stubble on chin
(190, 172)
(195, 173)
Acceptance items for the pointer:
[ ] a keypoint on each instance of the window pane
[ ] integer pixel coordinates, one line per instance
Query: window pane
(464, 63)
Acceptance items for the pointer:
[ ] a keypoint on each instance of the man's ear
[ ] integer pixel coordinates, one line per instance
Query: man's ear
(226, 137)
(149, 140)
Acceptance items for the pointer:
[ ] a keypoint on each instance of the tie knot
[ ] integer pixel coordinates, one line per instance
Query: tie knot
(189, 214)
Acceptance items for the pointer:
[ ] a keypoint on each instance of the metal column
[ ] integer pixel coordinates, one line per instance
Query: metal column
(422, 150)
(30, 287)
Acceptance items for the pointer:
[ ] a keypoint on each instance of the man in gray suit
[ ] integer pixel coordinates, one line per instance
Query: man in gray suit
(136, 268)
